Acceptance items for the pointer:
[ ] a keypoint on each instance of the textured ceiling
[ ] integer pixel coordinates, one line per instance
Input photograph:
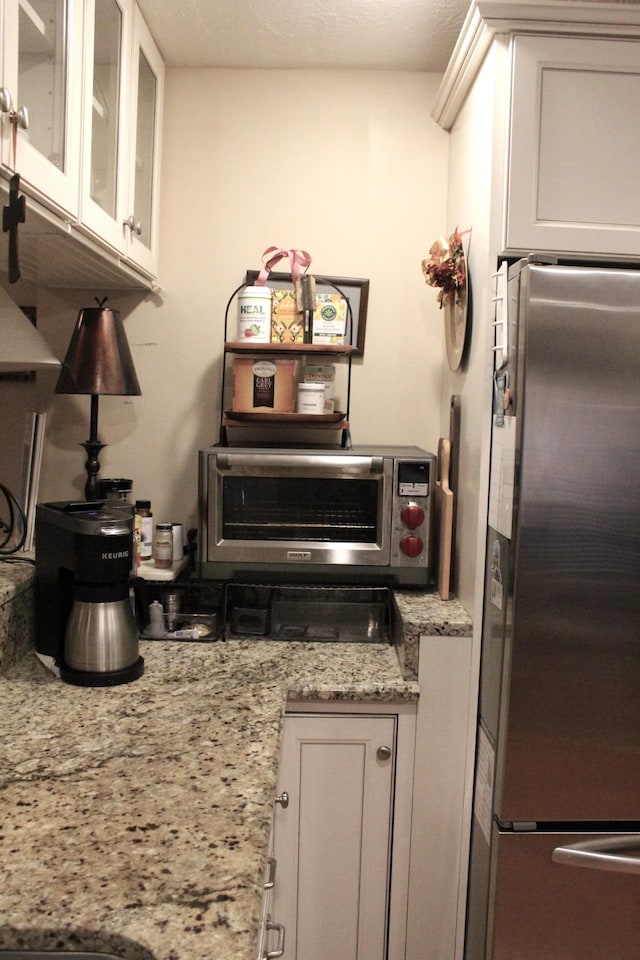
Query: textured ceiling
(361, 34)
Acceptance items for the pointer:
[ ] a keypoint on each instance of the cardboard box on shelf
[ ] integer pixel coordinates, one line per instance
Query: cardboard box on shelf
(330, 319)
(263, 385)
(286, 322)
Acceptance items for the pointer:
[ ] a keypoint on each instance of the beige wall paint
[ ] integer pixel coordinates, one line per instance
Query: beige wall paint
(474, 157)
(348, 165)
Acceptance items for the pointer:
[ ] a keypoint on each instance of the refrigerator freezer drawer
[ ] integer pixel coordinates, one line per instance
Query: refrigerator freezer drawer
(557, 910)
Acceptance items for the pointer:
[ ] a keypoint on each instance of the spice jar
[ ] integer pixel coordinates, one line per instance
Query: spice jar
(144, 523)
(163, 546)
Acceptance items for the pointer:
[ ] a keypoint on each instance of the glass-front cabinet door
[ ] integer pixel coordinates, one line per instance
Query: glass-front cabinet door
(147, 97)
(42, 87)
(125, 74)
(105, 188)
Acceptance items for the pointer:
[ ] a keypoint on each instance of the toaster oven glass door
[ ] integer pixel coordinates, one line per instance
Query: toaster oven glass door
(305, 509)
(279, 508)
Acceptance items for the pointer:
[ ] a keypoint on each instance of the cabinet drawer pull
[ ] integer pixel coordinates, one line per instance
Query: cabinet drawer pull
(271, 876)
(283, 800)
(274, 954)
(383, 753)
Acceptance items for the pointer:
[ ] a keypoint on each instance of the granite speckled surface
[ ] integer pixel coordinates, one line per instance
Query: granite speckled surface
(16, 610)
(136, 819)
(424, 614)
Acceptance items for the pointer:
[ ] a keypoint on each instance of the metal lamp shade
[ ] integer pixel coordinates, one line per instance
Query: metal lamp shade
(98, 359)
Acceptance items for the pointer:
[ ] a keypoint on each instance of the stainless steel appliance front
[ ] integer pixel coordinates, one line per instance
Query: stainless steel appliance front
(345, 516)
(559, 732)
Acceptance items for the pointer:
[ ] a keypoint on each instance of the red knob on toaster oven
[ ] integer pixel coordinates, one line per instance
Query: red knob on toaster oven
(411, 545)
(412, 515)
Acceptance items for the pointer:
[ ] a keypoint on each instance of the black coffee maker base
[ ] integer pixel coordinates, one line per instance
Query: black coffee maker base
(83, 678)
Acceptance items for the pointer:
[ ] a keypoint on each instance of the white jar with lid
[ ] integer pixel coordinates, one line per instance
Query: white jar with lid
(311, 398)
(254, 315)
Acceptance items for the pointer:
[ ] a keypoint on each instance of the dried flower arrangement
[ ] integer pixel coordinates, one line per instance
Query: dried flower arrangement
(446, 268)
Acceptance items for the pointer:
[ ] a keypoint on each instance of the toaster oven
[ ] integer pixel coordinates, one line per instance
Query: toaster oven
(312, 515)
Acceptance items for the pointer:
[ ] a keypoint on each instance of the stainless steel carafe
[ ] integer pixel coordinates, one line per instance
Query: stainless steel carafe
(101, 634)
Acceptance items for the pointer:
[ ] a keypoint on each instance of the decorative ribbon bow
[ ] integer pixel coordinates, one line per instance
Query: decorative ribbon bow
(299, 260)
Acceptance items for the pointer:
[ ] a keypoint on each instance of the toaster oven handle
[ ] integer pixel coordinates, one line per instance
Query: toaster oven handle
(347, 463)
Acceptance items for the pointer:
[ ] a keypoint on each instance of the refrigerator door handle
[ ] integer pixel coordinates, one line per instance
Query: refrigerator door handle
(610, 853)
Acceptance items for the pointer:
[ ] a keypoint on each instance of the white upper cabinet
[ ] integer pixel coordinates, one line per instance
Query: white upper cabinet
(108, 35)
(147, 97)
(122, 125)
(561, 108)
(42, 80)
(573, 183)
(81, 99)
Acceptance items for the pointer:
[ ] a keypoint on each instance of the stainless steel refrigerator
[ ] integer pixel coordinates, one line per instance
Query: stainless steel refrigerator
(555, 852)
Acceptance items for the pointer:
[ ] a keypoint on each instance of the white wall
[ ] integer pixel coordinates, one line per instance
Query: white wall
(347, 165)
(476, 190)
(475, 179)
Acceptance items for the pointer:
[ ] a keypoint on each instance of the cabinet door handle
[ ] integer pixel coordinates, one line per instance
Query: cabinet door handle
(383, 753)
(271, 876)
(283, 800)
(274, 954)
(20, 117)
(134, 225)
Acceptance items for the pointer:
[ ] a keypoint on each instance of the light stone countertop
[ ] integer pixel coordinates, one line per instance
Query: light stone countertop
(16, 610)
(136, 819)
(15, 576)
(422, 613)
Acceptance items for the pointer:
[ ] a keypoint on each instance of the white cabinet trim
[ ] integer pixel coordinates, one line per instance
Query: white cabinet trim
(486, 18)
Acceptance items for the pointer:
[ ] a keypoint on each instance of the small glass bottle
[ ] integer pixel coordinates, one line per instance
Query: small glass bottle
(143, 511)
(163, 546)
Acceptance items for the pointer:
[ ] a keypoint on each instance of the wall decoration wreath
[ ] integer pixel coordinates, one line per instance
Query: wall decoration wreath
(446, 269)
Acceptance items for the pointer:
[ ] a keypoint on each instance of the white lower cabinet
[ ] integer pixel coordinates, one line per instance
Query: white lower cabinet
(443, 790)
(341, 832)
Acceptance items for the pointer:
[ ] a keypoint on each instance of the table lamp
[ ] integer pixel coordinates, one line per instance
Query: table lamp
(98, 363)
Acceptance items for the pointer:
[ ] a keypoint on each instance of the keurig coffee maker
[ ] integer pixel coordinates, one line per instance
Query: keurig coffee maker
(83, 615)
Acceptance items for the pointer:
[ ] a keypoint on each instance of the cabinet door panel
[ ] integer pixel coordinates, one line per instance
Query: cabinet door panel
(43, 72)
(332, 842)
(147, 95)
(573, 182)
(105, 187)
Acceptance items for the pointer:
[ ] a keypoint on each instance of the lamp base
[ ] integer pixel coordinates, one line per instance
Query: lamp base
(92, 466)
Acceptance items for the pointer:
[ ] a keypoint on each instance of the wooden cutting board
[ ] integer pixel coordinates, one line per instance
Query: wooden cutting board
(444, 513)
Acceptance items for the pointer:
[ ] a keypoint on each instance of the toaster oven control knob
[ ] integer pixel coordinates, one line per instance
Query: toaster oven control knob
(411, 545)
(412, 515)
